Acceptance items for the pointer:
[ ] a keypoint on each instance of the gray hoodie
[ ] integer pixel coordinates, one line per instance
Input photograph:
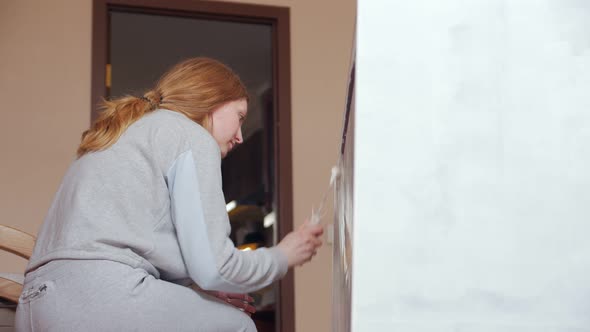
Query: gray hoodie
(153, 200)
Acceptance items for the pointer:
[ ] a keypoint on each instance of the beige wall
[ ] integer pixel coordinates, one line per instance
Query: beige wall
(45, 93)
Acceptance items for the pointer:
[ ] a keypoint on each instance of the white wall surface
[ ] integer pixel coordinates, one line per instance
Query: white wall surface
(472, 166)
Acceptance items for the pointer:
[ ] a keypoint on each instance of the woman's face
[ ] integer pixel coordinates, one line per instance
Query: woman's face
(226, 124)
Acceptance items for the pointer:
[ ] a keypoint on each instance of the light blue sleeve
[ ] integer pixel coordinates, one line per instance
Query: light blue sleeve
(202, 227)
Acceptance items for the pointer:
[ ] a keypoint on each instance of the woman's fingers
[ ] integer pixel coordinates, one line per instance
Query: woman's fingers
(315, 241)
(240, 301)
(316, 230)
(244, 306)
(300, 245)
(242, 297)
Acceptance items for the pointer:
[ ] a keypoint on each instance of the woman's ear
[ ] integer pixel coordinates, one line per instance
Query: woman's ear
(208, 122)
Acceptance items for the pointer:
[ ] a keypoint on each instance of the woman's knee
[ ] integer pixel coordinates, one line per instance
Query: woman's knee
(237, 320)
(247, 323)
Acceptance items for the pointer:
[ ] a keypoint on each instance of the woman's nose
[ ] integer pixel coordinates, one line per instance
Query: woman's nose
(239, 138)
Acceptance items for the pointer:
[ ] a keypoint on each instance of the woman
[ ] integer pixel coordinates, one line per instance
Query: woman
(141, 214)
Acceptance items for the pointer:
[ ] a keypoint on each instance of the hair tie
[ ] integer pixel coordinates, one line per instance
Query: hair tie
(152, 104)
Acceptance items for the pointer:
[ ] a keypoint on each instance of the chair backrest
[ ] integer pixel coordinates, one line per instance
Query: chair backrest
(19, 243)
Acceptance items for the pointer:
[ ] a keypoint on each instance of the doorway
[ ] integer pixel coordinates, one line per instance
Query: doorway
(135, 41)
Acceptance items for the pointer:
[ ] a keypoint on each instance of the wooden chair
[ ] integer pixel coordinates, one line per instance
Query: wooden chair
(11, 284)
(19, 243)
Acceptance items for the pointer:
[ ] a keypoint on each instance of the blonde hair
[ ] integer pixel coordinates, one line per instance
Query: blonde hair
(194, 87)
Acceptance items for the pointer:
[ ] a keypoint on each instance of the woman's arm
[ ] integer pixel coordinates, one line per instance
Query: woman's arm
(202, 226)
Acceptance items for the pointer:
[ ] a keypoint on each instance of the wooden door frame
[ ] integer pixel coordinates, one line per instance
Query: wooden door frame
(279, 19)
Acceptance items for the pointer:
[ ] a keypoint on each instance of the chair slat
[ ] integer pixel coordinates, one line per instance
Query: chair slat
(16, 241)
(10, 290)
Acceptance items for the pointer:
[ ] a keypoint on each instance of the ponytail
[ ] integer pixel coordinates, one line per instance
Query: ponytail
(115, 117)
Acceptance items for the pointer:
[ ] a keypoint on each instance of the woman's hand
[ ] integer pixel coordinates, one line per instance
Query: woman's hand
(244, 302)
(301, 245)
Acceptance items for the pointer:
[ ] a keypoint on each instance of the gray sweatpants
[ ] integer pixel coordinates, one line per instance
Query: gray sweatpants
(101, 295)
